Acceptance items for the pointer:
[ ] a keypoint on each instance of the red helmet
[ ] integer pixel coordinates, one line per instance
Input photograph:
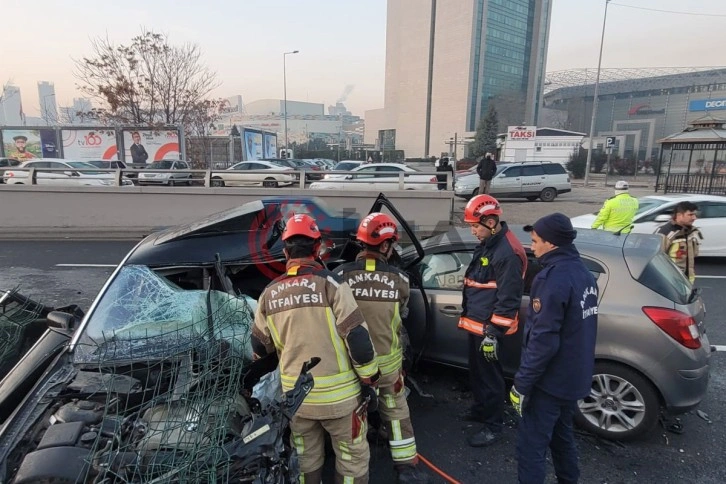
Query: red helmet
(376, 228)
(481, 206)
(301, 224)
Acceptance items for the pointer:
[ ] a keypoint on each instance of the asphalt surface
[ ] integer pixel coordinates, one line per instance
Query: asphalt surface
(64, 272)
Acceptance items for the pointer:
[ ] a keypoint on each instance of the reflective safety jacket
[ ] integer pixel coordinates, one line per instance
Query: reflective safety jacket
(681, 244)
(617, 213)
(308, 312)
(382, 293)
(558, 344)
(493, 285)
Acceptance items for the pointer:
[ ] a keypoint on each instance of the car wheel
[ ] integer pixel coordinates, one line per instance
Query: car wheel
(622, 404)
(217, 182)
(532, 199)
(475, 193)
(270, 183)
(548, 194)
(172, 183)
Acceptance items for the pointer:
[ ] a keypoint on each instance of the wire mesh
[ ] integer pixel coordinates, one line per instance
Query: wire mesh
(17, 313)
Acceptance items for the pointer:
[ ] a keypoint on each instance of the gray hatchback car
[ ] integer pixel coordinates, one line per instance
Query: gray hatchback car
(652, 350)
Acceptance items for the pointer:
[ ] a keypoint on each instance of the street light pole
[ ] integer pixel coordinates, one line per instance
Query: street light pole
(594, 101)
(284, 88)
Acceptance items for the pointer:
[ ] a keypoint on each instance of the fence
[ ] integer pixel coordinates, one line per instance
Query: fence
(693, 183)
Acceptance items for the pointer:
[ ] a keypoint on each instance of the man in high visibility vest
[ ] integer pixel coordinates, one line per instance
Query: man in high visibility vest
(309, 312)
(618, 211)
(382, 292)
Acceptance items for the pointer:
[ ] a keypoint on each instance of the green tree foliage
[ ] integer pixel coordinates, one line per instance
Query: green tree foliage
(486, 134)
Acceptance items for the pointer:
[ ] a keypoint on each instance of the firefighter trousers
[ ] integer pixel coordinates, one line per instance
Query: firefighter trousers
(348, 435)
(487, 386)
(393, 408)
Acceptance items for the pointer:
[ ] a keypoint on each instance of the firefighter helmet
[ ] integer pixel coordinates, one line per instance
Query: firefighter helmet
(481, 206)
(376, 228)
(301, 224)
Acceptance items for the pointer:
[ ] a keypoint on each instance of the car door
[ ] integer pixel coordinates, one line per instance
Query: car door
(236, 175)
(533, 180)
(712, 223)
(66, 177)
(363, 179)
(386, 178)
(508, 182)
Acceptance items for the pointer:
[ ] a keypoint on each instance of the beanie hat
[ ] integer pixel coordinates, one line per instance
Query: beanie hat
(555, 228)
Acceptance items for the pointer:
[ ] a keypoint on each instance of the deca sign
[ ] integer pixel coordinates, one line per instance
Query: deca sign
(707, 104)
(521, 133)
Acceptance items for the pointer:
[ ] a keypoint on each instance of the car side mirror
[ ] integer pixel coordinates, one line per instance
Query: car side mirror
(60, 320)
(664, 217)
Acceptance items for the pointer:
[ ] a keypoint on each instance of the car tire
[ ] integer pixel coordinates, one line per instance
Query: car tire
(623, 405)
(548, 194)
(270, 183)
(475, 193)
(216, 182)
(532, 199)
(172, 183)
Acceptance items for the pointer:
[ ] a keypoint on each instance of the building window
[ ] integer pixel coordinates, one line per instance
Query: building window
(538, 148)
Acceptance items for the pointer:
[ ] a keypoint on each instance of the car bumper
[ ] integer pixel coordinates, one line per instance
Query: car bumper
(564, 190)
(687, 387)
(464, 191)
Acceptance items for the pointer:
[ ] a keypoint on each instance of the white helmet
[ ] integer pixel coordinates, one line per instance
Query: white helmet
(621, 185)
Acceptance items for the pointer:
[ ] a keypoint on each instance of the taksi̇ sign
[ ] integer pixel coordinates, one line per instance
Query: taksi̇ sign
(707, 104)
(521, 133)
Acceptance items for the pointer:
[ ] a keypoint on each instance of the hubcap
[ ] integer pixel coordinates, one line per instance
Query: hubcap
(614, 404)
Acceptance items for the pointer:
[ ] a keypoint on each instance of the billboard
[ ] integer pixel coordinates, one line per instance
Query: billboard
(26, 144)
(89, 144)
(252, 145)
(707, 104)
(147, 146)
(270, 145)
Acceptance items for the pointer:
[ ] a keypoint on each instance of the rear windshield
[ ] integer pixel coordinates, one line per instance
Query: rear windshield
(646, 203)
(662, 276)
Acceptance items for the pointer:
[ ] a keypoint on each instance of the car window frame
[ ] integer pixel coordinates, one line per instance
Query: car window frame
(535, 167)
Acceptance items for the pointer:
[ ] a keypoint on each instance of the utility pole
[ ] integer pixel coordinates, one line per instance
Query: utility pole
(284, 88)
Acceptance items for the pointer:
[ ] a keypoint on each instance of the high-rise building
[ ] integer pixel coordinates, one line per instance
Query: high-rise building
(78, 113)
(447, 61)
(11, 107)
(48, 106)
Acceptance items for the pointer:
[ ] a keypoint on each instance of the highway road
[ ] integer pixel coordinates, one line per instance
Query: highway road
(65, 272)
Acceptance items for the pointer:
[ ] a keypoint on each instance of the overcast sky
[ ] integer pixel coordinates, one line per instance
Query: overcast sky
(340, 41)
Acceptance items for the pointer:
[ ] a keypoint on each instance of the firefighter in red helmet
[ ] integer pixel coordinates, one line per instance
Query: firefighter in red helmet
(382, 293)
(307, 312)
(493, 286)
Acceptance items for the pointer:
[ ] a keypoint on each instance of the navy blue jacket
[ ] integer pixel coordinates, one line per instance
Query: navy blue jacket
(558, 345)
(493, 285)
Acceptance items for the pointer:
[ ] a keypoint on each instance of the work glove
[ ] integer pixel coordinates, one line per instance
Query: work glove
(518, 400)
(370, 394)
(489, 346)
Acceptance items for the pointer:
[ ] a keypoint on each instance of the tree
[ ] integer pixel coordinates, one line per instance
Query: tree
(148, 82)
(486, 134)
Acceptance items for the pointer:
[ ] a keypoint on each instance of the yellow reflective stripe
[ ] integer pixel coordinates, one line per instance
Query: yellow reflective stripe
(395, 325)
(293, 271)
(389, 401)
(344, 451)
(390, 363)
(274, 333)
(324, 381)
(348, 480)
(367, 370)
(403, 453)
(396, 430)
(370, 265)
(340, 354)
(299, 443)
(333, 396)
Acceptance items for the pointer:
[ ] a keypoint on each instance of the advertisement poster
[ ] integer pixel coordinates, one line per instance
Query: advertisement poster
(147, 146)
(89, 144)
(270, 145)
(26, 144)
(253, 145)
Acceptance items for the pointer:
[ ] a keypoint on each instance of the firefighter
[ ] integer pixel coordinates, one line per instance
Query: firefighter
(493, 286)
(308, 312)
(618, 211)
(382, 293)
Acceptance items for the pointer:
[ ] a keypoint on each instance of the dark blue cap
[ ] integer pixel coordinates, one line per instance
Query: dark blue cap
(555, 228)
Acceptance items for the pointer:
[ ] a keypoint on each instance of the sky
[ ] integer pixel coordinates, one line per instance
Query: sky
(341, 42)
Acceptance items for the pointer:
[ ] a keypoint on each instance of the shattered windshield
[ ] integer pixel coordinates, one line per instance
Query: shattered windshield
(144, 315)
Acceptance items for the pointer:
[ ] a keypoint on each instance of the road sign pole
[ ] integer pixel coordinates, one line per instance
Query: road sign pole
(607, 165)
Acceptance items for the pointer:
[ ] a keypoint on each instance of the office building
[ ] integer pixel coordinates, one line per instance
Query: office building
(447, 61)
(47, 101)
(11, 107)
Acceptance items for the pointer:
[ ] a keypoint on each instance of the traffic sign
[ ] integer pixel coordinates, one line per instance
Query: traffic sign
(610, 141)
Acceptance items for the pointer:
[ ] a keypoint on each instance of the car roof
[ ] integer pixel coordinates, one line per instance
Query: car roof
(679, 197)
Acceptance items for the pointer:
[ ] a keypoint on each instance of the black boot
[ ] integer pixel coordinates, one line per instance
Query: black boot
(411, 473)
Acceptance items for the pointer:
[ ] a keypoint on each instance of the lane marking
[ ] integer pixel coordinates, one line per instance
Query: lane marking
(710, 277)
(719, 347)
(86, 265)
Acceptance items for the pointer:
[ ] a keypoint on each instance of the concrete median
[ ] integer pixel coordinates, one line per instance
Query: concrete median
(43, 212)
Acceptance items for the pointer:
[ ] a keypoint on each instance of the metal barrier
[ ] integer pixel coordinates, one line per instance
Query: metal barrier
(693, 183)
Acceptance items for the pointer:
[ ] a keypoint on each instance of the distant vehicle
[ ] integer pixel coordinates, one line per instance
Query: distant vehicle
(241, 174)
(378, 176)
(167, 178)
(6, 163)
(65, 172)
(298, 164)
(531, 180)
(113, 165)
(655, 210)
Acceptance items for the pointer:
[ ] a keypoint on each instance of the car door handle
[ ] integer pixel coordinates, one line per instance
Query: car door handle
(451, 310)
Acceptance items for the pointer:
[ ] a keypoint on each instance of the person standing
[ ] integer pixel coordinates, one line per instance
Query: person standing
(444, 166)
(138, 152)
(493, 285)
(618, 211)
(382, 293)
(558, 353)
(309, 312)
(486, 169)
(681, 239)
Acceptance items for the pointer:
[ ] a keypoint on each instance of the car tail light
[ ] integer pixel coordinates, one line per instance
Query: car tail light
(679, 326)
(9, 174)
(433, 179)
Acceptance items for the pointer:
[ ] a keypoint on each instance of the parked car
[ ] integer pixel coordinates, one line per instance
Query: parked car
(655, 210)
(344, 165)
(6, 163)
(378, 177)
(170, 178)
(531, 180)
(241, 174)
(53, 171)
(298, 164)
